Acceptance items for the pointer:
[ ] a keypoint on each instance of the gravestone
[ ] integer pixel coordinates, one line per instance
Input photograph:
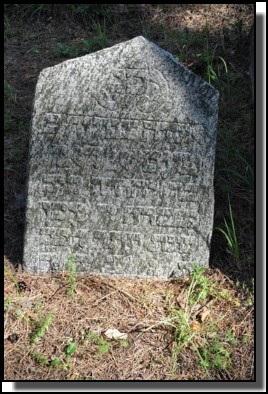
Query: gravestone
(121, 165)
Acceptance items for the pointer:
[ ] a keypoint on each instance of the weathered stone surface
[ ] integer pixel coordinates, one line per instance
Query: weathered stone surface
(121, 165)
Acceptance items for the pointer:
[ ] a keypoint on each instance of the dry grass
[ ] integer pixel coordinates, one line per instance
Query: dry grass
(139, 308)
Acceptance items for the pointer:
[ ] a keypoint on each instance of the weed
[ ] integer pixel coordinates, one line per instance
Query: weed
(93, 44)
(213, 67)
(70, 349)
(124, 343)
(215, 356)
(20, 313)
(9, 29)
(247, 173)
(198, 291)
(84, 10)
(231, 338)
(7, 302)
(248, 291)
(40, 358)
(103, 346)
(81, 8)
(230, 235)
(11, 276)
(225, 295)
(71, 269)
(19, 151)
(9, 92)
(43, 360)
(183, 40)
(246, 339)
(214, 353)
(199, 288)
(35, 49)
(55, 362)
(42, 328)
(65, 50)
(99, 41)
(34, 10)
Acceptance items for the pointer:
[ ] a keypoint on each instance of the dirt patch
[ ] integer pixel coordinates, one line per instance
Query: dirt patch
(168, 333)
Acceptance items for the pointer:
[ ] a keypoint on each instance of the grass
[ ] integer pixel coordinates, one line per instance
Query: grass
(245, 173)
(197, 316)
(65, 50)
(71, 277)
(103, 346)
(184, 332)
(42, 327)
(9, 93)
(213, 68)
(70, 349)
(215, 356)
(99, 40)
(230, 236)
(7, 303)
(213, 351)
(40, 358)
(12, 276)
(9, 29)
(63, 362)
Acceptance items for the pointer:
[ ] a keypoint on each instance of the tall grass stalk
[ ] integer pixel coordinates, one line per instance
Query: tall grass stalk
(229, 233)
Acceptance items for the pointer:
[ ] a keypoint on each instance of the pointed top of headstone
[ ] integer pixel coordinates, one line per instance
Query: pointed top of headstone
(133, 79)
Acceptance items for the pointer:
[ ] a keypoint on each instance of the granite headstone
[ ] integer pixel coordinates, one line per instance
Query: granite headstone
(121, 165)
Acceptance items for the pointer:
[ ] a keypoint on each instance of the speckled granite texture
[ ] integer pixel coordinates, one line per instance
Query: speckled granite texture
(121, 165)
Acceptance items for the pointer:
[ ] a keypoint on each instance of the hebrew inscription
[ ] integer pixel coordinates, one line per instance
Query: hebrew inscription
(121, 165)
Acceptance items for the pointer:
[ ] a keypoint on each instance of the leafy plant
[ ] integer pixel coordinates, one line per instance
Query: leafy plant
(7, 302)
(65, 50)
(229, 233)
(95, 43)
(231, 338)
(42, 328)
(71, 349)
(55, 362)
(40, 358)
(215, 355)
(184, 333)
(103, 346)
